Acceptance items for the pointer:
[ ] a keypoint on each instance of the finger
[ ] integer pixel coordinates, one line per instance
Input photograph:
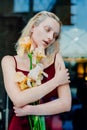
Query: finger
(14, 107)
(69, 81)
(17, 114)
(68, 74)
(67, 70)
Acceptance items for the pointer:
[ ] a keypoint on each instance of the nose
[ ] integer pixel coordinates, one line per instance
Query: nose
(50, 36)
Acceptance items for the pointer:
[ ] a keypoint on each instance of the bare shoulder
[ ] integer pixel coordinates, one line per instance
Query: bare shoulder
(59, 60)
(7, 60)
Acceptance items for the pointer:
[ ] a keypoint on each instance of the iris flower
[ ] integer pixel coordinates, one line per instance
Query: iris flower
(34, 78)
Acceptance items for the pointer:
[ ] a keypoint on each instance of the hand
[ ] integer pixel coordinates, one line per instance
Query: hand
(21, 111)
(62, 75)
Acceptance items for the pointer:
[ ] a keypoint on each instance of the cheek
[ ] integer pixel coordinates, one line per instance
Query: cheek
(35, 36)
(38, 34)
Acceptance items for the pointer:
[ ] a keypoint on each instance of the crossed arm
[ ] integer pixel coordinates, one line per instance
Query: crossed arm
(59, 105)
(21, 98)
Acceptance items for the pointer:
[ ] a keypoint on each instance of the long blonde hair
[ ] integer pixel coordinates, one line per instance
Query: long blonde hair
(35, 21)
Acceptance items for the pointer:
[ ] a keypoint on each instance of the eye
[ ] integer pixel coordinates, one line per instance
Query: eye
(47, 28)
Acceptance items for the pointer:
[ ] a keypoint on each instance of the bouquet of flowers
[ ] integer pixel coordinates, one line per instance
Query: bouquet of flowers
(34, 78)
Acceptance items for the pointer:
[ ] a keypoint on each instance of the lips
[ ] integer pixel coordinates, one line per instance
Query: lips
(46, 42)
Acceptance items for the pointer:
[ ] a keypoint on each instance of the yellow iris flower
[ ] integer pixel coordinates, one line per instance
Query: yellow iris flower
(24, 45)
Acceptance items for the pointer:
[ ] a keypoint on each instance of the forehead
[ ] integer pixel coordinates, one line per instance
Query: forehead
(52, 23)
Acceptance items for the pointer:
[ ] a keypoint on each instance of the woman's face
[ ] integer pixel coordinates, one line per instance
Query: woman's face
(45, 33)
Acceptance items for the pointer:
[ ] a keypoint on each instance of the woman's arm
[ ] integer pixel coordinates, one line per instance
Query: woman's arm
(21, 98)
(62, 104)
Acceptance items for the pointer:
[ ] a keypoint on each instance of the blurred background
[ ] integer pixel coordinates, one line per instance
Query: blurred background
(14, 15)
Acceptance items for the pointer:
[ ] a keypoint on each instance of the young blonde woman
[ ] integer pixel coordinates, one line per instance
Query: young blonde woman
(54, 91)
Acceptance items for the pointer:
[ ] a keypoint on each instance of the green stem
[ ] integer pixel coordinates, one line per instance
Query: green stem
(30, 57)
(30, 121)
(38, 121)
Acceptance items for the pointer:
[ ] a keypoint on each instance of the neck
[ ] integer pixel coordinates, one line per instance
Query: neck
(25, 56)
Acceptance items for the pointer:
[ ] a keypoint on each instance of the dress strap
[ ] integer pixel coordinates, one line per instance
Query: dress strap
(15, 62)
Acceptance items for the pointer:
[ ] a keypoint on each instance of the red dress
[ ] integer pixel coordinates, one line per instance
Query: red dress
(52, 122)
